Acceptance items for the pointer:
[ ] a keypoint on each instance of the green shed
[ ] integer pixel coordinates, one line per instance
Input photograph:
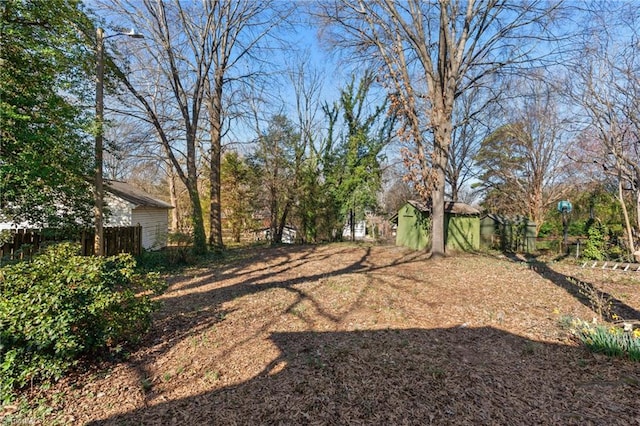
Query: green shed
(516, 234)
(462, 226)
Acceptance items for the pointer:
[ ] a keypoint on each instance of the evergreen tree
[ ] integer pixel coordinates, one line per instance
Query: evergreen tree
(352, 159)
(278, 158)
(238, 191)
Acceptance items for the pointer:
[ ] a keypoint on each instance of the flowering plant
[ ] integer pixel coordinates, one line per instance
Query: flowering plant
(609, 340)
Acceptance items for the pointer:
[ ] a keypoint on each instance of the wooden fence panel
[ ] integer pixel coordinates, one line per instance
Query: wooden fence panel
(26, 242)
(117, 239)
(123, 240)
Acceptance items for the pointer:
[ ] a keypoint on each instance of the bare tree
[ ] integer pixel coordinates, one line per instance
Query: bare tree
(523, 163)
(177, 61)
(307, 83)
(239, 28)
(128, 141)
(607, 86)
(429, 53)
(473, 117)
(396, 191)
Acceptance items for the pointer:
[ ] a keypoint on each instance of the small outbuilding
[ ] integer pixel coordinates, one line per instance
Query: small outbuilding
(516, 234)
(289, 234)
(127, 205)
(462, 226)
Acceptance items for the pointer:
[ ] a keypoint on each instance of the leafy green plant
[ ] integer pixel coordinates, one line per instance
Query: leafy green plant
(615, 252)
(548, 229)
(608, 340)
(576, 227)
(595, 246)
(146, 384)
(61, 305)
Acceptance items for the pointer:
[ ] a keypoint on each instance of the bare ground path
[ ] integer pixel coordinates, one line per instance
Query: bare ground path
(344, 334)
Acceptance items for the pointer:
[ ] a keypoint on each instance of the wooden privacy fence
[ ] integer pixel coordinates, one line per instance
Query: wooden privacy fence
(24, 243)
(117, 239)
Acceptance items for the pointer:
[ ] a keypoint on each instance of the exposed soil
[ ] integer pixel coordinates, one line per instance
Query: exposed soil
(346, 334)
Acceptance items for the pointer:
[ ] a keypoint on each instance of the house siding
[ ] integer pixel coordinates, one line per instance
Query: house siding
(360, 230)
(119, 211)
(155, 225)
(150, 214)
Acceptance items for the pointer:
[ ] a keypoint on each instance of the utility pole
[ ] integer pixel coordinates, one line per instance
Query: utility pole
(98, 248)
(98, 242)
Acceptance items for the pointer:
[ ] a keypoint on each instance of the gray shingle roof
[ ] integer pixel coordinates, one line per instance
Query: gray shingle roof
(134, 195)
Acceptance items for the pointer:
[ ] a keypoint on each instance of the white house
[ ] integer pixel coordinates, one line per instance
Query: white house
(360, 230)
(127, 205)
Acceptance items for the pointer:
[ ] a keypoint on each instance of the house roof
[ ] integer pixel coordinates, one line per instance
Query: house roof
(134, 195)
(454, 207)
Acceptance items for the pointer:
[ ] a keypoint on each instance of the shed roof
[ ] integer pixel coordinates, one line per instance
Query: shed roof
(134, 195)
(495, 217)
(454, 207)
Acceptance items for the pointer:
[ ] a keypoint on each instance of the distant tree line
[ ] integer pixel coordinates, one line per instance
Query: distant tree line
(513, 106)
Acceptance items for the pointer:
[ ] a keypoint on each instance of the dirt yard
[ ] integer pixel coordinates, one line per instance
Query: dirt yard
(354, 334)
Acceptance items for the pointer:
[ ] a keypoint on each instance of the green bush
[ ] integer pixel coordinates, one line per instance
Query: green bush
(616, 253)
(576, 227)
(60, 306)
(595, 246)
(548, 229)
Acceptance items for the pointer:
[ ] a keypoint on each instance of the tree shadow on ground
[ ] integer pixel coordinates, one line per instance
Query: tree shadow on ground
(414, 376)
(198, 305)
(608, 307)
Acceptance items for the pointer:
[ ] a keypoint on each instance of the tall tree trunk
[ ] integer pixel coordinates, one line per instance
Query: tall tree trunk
(173, 194)
(454, 188)
(536, 212)
(438, 237)
(273, 210)
(638, 206)
(352, 224)
(199, 235)
(282, 222)
(215, 123)
(627, 222)
(442, 116)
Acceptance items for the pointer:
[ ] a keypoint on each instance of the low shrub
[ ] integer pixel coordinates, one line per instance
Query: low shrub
(168, 259)
(60, 306)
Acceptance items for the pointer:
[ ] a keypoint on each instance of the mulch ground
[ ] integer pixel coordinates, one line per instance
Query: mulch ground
(358, 334)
